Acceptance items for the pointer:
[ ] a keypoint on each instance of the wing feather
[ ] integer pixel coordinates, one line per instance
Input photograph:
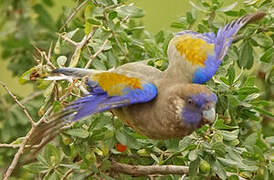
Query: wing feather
(107, 90)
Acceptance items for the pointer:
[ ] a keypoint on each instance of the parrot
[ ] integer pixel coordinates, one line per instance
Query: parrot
(157, 104)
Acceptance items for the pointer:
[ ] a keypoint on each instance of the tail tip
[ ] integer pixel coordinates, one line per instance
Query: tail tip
(257, 16)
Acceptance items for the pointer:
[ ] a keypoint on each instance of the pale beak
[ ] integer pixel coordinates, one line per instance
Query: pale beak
(209, 114)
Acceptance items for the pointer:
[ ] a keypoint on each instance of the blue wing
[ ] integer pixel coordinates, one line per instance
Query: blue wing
(98, 100)
(225, 35)
(222, 41)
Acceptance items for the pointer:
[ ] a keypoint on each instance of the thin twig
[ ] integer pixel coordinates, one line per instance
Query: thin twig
(9, 146)
(67, 39)
(47, 57)
(73, 14)
(28, 98)
(91, 58)
(79, 47)
(66, 174)
(44, 55)
(19, 104)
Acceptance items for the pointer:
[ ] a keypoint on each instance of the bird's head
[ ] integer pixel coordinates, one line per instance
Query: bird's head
(195, 104)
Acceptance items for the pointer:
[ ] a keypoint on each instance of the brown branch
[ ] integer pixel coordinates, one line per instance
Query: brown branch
(73, 14)
(27, 137)
(19, 104)
(17, 155)
(22, 146)
(138, 170)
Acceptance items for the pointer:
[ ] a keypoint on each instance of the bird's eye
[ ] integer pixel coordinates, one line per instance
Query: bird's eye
(189, 101)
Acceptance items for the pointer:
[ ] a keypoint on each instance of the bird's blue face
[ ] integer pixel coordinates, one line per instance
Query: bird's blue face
(198, 107)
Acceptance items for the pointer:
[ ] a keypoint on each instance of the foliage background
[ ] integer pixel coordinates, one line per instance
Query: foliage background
(240, 142)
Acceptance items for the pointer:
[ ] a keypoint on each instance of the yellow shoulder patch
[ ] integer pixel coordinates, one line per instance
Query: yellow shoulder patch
(114, 83)
(194, 49)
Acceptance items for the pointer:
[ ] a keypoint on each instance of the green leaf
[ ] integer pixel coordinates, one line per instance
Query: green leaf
(233, 177)
(231, 74)
(52, 155)
(75, 57)
(152, 48)
(263, 40)
(230, 135)
(121, 137)
(233, 100)
(232, 13)
(193, 155)
(219, 124)
(233, 163)
(160, 36)
(78, 132)
(70, 34)
(18, 141)
(268, 55)
(178, 25)
(263, 111)
(35, 168)
(115, 2)
(200, 8)
(193, 168)
(130, 11)
(227, 8)
(250, 2)
(89, 11)
(26, 76)
(219, 169)
(189, 18)
(53, 176)
(247, 90)
(98, 64)
(56, 106)
(93, 21)
(246, 56)
(57, 48)
(112, 15)
(155, 158)
(61, 61)
(270, 140)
